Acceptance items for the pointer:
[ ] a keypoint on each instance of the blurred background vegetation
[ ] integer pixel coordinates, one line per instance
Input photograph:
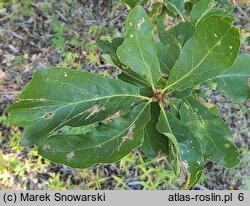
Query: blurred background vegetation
(46, 33)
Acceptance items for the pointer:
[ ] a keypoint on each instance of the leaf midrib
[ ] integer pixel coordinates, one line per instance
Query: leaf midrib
(234, 75)
(142, 56)
(177, 10)
(83, 101)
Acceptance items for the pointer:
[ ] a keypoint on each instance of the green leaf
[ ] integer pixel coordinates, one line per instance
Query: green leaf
(212, 132)
(166, 38)
(154, 143)
(182, 32)
(138, 51)
(166, 56)
(213, 48)
(110, 48)
(175, 105)
(57, 97)
(173, 156)
(158, 144)
(131, 77)
(133, 3)
(200, 10)
(183, 94)
(175, 6)
(168, 50)
(219, 1)
(234, 82)
(194, 1)
(104, 144)
(188, 7)
(145, 90)
(155, 11)
(107, 58)
(206, 8)
(189, 145)
(222, 1)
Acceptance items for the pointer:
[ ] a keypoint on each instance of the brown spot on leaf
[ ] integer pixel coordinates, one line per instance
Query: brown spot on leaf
(129, 135)
(48, 115)
(94, 110)
(248, 82)
(70, 155)
(209, 105)
(113, 116)
(42, 99)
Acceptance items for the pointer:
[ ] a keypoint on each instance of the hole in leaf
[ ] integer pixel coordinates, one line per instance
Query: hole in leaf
(46, 147)
(139, 25)
(48, 115)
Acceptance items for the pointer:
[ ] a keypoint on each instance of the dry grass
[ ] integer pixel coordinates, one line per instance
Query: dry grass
(244, 2)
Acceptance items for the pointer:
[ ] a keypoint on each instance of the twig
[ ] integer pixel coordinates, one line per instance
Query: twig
(10, 92)
(105, 66)
(4, 18)
(17, 35)
(117, 17)
(61, 15)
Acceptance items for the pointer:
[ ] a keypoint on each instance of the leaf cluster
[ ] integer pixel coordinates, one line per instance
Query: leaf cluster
(154, 104)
